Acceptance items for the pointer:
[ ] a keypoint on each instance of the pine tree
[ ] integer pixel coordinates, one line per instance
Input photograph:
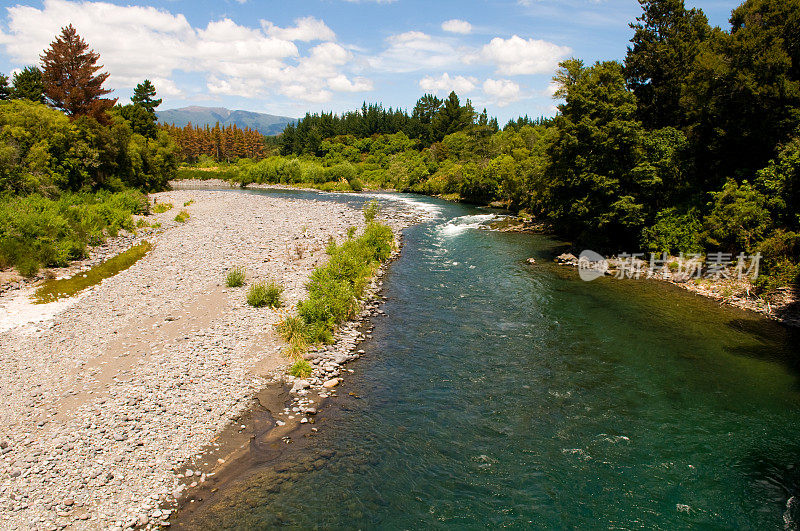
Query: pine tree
(27, 85)
(144, 96)
(5, 90)
(70, 77)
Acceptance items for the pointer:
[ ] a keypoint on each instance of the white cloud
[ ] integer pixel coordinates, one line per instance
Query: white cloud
(515, 56)
(445, 83)
(502, 91)
(305, 29)
(457, 26)
(415, 50)
(340, 83)
(145, 42)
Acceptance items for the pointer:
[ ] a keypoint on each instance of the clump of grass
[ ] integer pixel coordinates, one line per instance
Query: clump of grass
(182, 216)
(371, 210)
(189, 202)
(162, 207)
(265, 294)
(300, 369)
(295, 349)
(235, 277)
(292, 329)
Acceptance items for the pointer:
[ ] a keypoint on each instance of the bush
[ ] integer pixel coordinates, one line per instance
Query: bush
(182, 217)
(235, 277)
(371, 210)
(36, 231)
(160, 208)
(300, 369)
(335, 288)
(265, 294)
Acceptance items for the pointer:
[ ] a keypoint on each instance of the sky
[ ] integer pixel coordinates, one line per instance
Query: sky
(289, 58)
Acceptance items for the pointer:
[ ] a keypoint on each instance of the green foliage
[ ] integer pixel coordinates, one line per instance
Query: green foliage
(780, 261)
(36, 231)
(235, 277)
(300, 369)
(738, 219)
(335, 288)
(160, 208)
(182, 216)
(371, 210)
(41, 150)
(674, 232)
(265, 294)
(5, 89)
(27, 85)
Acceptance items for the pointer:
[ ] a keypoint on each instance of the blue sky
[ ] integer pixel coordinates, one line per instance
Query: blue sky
(309, 55)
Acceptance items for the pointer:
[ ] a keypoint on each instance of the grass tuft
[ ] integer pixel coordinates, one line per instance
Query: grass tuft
(300, 369)
(265, 294)
(182, 216)
(159, 208)
(189, 202)
(235, 277)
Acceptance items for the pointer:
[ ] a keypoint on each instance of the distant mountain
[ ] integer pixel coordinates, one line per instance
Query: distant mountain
(266, 124)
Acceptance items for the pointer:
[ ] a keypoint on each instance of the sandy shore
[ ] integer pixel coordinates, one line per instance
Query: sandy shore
(108, 398)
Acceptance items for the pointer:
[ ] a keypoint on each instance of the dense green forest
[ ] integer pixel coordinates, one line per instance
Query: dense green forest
(73, 165)
(691, 144)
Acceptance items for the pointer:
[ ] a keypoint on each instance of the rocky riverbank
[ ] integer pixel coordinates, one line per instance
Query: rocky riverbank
(108, 400)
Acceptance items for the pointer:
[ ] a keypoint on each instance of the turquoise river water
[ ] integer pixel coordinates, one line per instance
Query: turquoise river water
(501, 394)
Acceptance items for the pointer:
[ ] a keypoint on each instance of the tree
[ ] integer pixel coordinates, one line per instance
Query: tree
(144, 94)
(452, 117)
(27, 85)
(5, 90)
(70, 77)
(667, 39)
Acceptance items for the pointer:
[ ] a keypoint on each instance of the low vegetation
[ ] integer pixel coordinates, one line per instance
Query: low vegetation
(269, 294)
(182, 217)
(335, 288)
(160, 208)
(36, 231)
(235, 277)
(300, 369)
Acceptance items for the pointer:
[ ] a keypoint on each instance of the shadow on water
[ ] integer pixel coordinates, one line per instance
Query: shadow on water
(774, 342)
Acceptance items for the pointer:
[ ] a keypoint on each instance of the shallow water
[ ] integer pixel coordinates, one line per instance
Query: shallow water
(61, 288)
(497, 393)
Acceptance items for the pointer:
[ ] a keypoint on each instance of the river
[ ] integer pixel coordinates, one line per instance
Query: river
(502, 394)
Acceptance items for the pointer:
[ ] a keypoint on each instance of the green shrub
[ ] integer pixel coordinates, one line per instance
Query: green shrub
(371, 210)
(159, 208)
(182, 217)
(235, 277)
(189, 202)
(265, 294)
(36, 231)
(335, 288)
(300, 369)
